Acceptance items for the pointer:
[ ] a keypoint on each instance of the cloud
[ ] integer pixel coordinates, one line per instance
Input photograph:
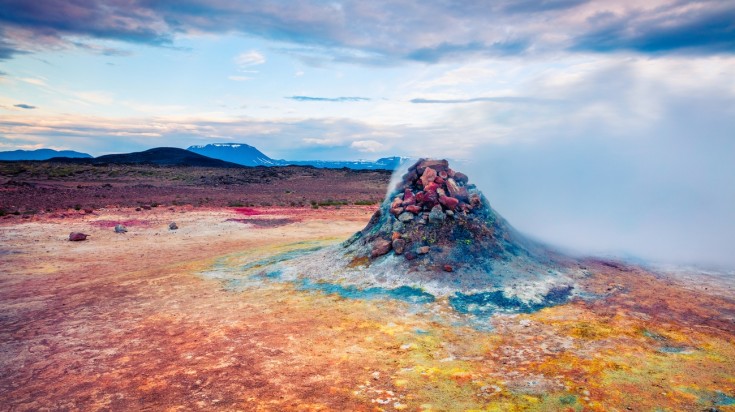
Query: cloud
(248, 59)
(494, 99)
(328, 99)
(354, 31)
(367, 146)
(703, 28)
(24, 106)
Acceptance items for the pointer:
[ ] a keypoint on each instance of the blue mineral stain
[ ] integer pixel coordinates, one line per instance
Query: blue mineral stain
(487, 303)
(673, 349)
(281, 257)
(404, 293)
(421, 332)
(720, 399)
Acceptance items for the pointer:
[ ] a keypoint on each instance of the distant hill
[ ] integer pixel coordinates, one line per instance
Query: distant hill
(41, 154)
(161, 156)
(239, 153)
(247, 155)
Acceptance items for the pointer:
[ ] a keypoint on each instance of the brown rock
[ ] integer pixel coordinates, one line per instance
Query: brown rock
(396, 235)
(461, 177)
(437, 165)
(443, 174)
(475, 200)
(448, 268)
(423, 250)
(428, 176)
(456, 191)
(77, 236)
(399, 245)
(410, 255)
(380, 248)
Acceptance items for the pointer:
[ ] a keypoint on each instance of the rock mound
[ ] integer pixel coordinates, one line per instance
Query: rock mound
(436, 231)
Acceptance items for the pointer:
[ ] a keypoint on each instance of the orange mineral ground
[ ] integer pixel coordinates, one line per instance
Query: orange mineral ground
(146, 321)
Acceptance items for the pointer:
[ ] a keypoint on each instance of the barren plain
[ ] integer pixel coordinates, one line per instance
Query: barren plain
(152, 320)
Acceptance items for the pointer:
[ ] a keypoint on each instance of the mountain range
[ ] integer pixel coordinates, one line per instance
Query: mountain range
(210, 155)
(41, 154)
(247, 155)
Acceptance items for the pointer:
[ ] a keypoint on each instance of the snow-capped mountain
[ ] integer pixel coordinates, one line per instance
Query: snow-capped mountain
(247, 155)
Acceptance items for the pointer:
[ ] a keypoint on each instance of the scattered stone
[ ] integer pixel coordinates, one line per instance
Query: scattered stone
(423, 250)
(380, 248)
(172, 226)
(137, 209)
(146, 207)
(405, 217)
(448, 268)
(88, 210)
(120, 229)
(77, 236)
(410, 255)
(399, 245)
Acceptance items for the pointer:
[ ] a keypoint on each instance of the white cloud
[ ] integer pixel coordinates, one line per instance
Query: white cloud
(367, 146)
(248, 59)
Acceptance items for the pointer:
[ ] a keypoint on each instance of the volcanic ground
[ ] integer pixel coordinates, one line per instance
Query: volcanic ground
(205, 318)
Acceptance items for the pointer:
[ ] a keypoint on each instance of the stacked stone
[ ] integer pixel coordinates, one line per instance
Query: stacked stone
(431, 189)
(429, 193)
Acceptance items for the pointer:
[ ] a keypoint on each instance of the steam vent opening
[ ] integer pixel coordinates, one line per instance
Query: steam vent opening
(436, 235)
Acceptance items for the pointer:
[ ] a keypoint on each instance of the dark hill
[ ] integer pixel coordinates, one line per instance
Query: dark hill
(160, 156)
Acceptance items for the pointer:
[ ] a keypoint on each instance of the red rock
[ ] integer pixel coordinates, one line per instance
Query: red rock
(439, 180)
(395, 211)
(396, 235)
(380, 248)
(431, 199)
(461, 177)
(448, 268)
(428, 176)
(431, 187)
(450, 172)
(413, 209)
(77, 236)
(408, 198)
(443, 174)
(419, 197)
(449, 202)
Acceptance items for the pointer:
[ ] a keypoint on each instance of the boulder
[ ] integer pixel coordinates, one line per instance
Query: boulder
(461, 177)
(455, 190)
(449, 202)
(77, 236)
(120, 228)
(437, 165)
(395, 211)
(380, 248)
(172, 226)
(399, 245)
(413, 209)
(408, 198)
(437, 215)
(405, 217)
(428, 176)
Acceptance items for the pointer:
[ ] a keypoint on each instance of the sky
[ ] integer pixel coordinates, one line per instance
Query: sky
(604, 126)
